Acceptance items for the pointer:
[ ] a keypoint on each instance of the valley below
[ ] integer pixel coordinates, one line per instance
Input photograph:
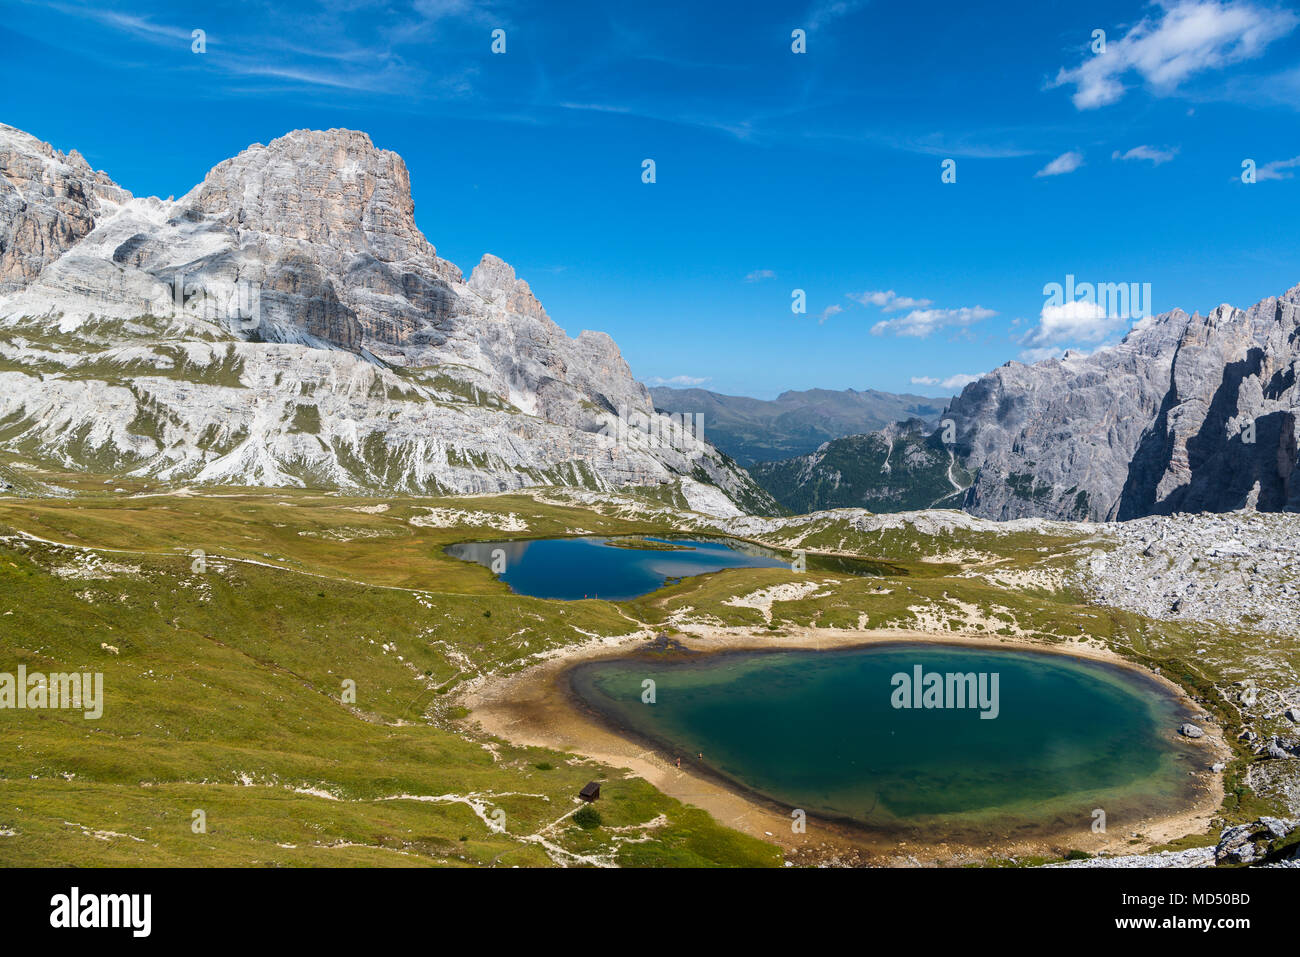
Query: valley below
(314, 673)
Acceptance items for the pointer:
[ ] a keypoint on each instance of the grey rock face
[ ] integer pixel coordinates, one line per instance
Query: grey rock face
(286, 322)
(1277, 748)
(48, 203)
(1186, 414)
(1191, 731)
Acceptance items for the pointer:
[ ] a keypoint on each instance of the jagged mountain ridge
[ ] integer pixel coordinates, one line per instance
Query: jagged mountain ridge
(1187, 413)
(286, 322)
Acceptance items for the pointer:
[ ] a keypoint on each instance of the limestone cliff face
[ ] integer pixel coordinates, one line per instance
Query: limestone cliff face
(1225, 434)
(48, 203)
(287, 322)
(325, 223)
(1186, 414)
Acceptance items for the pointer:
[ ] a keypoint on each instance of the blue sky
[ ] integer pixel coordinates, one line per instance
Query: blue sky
(775, 170)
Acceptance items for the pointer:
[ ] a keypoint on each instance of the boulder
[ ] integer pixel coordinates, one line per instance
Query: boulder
(1252, 843)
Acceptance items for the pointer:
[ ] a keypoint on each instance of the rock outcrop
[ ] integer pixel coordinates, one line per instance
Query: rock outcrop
(1266, 842)
(1262, 840)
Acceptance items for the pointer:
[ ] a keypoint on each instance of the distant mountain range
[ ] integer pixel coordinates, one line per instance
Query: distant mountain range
(794, 423)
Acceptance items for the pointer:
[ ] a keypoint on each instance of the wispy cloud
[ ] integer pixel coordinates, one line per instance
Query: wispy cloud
(829, 11)
(1039, 353)
(1187, 37)
(977, 145)
(888, 300)
(1278, 169)
(922, 323)
(1065, 163)
(141, 27)
(434, 10)
(312, 51)
(1278, 88)
(679, 381)
(758, 275)
(741, 130)
(595, 107)
(1150, 153)
(829, 311)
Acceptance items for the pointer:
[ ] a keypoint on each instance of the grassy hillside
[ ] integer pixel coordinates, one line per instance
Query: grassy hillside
(226, 625)
(224, 687)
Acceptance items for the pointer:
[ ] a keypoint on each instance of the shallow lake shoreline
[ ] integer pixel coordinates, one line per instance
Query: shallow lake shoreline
(536, 707)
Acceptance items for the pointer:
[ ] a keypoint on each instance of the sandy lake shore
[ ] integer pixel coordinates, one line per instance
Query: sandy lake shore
(535, 707)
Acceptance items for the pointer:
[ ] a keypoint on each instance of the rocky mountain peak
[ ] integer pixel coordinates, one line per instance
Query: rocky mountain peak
(494, 279)
(329, 188)
(1223, 313)
(286, 322)
(48, 203)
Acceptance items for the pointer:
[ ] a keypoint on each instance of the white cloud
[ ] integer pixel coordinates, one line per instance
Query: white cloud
(958, 381)
(1156, 156)
(1187, 37)
(828, 312)
(888, 300)
(829, 11)
(681, 381)
(923, 322)
(1277, 169)
(1065, 163)
(1077, 321)
(758, 275)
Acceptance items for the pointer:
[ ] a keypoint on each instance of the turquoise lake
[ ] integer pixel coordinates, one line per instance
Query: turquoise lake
(818, 730)
(573, 568)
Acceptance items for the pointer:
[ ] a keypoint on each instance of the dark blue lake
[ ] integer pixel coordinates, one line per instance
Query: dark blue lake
(574, 568)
